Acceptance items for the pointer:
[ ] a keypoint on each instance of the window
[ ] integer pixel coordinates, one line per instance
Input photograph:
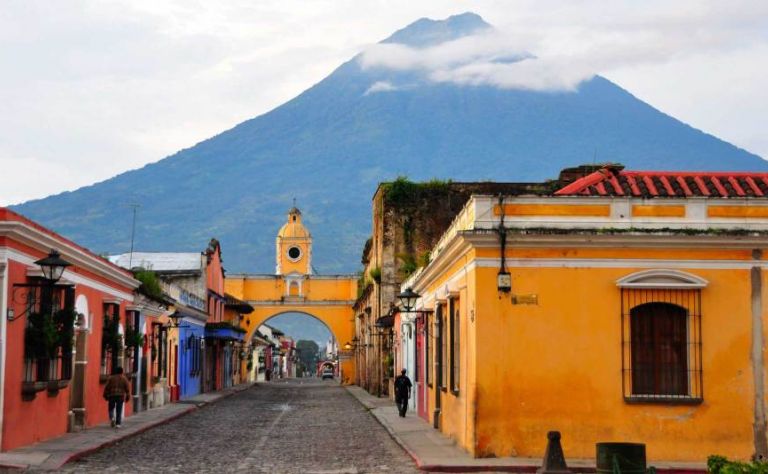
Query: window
(661, 339)
(111, 340)
(443, 382)
(49, 332)
(455, 347)
(427, 355)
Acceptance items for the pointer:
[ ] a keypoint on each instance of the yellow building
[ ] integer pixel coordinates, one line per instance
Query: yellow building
(294, 288)
(626, 306)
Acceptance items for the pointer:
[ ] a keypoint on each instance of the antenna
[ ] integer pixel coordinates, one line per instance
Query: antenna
(135, 207)
(294, 201)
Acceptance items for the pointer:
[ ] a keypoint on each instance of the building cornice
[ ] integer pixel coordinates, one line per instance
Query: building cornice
(24, 233)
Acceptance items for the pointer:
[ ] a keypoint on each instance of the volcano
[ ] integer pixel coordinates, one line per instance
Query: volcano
(330, 146)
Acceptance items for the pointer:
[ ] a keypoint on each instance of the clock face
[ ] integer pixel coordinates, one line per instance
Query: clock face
(294, 253)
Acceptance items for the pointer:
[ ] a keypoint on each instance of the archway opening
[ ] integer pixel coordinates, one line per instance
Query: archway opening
(313, 340)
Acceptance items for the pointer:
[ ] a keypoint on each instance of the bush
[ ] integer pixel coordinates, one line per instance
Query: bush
(150, 285)
(375, 274)
(721, 465)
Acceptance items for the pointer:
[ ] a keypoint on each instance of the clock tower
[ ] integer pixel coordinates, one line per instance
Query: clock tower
(294, 247)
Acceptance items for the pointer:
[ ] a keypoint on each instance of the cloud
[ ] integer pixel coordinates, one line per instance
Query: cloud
(558, 57)
(381, 86)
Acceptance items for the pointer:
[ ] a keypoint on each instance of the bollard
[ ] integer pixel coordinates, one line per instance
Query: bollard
(554, 459)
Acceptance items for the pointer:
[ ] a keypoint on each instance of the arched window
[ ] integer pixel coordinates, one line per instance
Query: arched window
(293, 288)
(661, 336)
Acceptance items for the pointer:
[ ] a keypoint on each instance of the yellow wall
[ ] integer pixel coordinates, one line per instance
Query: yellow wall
(530, 369)
(302, 264)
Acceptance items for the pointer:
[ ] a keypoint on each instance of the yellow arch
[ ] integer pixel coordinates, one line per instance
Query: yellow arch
(328, 299)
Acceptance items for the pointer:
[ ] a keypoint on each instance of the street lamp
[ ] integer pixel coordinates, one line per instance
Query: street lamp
(53, 267)
(408, 299)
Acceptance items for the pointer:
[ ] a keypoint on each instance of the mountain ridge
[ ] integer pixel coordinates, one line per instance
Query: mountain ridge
(331, 145)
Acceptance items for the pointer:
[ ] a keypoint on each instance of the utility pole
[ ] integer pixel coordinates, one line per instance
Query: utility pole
(135, 208)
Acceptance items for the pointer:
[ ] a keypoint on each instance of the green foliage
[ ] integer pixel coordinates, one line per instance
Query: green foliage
(402, 192)
(721, 465)
(64, 319)
(133, 337)
(309, 353)
(375, 274)
(111, 339)
(362, 283)
(150, 284)
(408, 264)
(424, 259)
(46, 333)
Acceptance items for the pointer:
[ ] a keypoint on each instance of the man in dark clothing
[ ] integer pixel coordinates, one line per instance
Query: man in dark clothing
(402, 392)
(117, 389)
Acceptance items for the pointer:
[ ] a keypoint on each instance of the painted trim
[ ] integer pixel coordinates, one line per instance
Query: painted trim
(618, 263)
(738, 212)
(640, 210)
(567, 210)
(24, 233)
(300, 304)
(662, 279)
(13, 254)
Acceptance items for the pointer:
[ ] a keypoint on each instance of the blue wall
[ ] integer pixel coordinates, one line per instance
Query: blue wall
(191, 358)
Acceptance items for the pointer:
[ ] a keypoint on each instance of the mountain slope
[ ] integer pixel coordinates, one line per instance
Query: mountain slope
(332, 144)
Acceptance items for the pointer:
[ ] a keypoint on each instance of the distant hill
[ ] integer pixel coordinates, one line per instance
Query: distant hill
(332, 144)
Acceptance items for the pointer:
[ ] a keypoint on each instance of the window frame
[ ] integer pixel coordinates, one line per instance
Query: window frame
(455, 345)
(689, 301)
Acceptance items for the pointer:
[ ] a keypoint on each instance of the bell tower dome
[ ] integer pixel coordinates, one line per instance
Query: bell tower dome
(294, 246)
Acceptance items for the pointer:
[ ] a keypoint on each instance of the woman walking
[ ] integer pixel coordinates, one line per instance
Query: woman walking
(118, 388)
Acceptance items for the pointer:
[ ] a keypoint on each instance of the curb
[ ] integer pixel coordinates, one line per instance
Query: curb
(197, 406)
(56, 462)
(370, 408)
(521, 468)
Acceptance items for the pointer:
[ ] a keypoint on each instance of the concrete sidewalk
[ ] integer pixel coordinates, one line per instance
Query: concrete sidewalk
(54, 453)
(433, 451)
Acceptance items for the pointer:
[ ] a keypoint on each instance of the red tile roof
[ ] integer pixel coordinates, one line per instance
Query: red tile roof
(613, 180)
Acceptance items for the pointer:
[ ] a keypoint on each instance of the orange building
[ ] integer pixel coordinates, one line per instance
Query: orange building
(57, 334)
(625, 306)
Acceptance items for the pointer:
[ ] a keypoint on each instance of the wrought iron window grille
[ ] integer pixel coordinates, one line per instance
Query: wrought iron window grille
(661, 346)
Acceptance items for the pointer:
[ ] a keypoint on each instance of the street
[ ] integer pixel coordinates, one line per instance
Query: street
(294, 425)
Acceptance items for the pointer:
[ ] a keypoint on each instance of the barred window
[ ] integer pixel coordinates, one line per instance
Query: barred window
(443, 382)
(427, 354)
(455, 347)
(661, 340)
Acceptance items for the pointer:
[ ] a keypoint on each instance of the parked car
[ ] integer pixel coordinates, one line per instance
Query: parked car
(327, 374)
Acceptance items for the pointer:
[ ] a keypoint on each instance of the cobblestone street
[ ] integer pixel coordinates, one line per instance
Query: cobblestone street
(298, 425)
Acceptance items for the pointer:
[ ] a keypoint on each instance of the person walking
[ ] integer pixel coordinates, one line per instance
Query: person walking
(402, 392)
(117, 390)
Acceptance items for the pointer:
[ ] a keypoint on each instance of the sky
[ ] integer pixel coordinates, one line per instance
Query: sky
(90, 89)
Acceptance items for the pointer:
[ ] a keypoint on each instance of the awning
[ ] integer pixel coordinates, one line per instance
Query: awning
(224, 333)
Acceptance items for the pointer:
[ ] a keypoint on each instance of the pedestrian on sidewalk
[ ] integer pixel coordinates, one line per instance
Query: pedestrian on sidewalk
(117, 390)
(402, 392)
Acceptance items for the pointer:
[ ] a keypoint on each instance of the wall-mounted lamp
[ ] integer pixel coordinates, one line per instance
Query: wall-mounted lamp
(53, 267)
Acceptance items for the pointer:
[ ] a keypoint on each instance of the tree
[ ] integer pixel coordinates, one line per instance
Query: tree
(308, 354)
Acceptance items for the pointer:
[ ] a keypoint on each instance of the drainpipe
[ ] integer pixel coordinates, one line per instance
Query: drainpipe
(759, 428)
(438, 368)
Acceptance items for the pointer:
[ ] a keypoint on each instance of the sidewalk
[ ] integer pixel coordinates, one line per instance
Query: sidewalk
(54, 453)
(433, 451)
